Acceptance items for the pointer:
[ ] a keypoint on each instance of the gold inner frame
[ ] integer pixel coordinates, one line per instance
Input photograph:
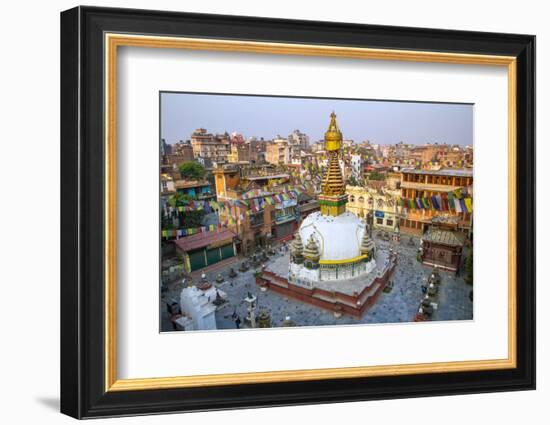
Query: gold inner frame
(113, 41)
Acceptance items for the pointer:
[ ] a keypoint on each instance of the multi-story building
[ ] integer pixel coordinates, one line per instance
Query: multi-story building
(454, 156)
(237, 138)
(195, 189)
(170, 170)
(320, 158)
(210, 148)
(450, 157)
(378, 206)
(239, 153)
(356, 164)
(255, 221)
(177, 159)
(278, 152)
(421, 184)
(183, 148)
(469, 155)
(299, 139)
(393, 180)
(167, 186)
(318, 146)
(257, 150)
(418, 155)
(347, 143)
(172, 156)
(165, 148)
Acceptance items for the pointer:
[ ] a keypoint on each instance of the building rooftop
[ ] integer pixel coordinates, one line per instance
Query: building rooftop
(304, 197)
(265, 177)
(444, 237)
(458, 172)
(311, 205)
(200, 240)
(376, 184)
(185, 184)
(165, 177)
(432, 187)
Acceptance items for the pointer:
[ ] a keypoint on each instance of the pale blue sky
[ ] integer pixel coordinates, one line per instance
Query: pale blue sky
(380, 122)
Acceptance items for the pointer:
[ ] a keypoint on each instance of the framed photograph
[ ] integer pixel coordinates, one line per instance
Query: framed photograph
(261, 212)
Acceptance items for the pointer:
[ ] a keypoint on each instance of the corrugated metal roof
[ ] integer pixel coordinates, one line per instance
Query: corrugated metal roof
(444, 237)
(185, 184)
(309, 206)
(270, 176)
(432, 187)
(200, 240)
(458, 172)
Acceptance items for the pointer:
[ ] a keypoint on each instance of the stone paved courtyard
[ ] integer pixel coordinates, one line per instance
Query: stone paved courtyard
(399, 305)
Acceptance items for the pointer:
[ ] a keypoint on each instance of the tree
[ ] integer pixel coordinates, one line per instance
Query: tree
(187, 218)
(375, 175)
(178, 199)
(192, 218)
(469, 268)
(352, 181)
(192, 170)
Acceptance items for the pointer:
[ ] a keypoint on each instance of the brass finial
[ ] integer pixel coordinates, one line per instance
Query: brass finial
(333, 136)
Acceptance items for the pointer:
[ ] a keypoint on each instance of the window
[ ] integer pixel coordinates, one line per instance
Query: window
(379, 221)
(389, 222)
(257, 219)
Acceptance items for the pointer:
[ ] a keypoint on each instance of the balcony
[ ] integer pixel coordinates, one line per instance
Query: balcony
(430, 187)
(284, 219)
(205, 195)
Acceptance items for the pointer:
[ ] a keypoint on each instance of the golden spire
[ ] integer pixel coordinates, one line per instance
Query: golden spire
(333, 196)
(333, 136)
(333, 183)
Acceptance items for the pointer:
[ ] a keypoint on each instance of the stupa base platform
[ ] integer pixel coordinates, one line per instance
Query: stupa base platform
(352, 303)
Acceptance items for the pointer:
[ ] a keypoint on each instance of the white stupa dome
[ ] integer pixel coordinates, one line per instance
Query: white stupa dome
(338, 238)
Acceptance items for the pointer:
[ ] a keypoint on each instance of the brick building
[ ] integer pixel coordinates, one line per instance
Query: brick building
(255, 221)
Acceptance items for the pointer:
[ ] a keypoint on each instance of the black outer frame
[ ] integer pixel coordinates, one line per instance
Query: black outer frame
(82, 207)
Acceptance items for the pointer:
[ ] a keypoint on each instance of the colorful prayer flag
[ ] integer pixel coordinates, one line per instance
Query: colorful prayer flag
(451, 201)
(468, 202)
(457, 206)
(425, 203)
